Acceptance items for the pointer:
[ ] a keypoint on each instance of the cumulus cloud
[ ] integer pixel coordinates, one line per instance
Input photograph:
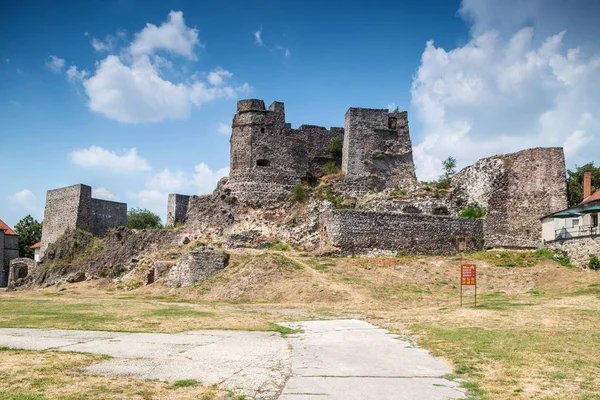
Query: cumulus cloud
(258, 37)
(202, 180)
(73, 74)
(24, 198)
(103, 193)
(98, 157)
(224, 129)
(131, 87)
(496, 95)
(55, 64)
(217, 76)
(172, 36)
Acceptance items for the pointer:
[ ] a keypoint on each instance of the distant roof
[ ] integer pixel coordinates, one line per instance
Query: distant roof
(36, 246)
(6, 229)
(593, 197)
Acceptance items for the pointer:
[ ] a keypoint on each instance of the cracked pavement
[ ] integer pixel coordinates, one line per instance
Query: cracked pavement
(339, 359)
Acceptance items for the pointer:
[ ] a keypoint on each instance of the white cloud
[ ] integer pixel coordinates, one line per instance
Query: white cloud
(202, 181)
(217, 76)
(97, 157)
(103, 193)
(205, 180)
(172, 36)
(224, 129)
(392, 106)
(131, 87)
(493, 96)
(26, 200)
(258, 37)
(55, 64)
(75, 75)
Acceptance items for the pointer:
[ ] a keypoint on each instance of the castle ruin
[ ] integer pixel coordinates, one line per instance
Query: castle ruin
(71, 208)
(359, 192)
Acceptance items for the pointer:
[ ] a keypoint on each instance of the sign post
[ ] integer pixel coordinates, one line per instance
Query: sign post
(468, 277)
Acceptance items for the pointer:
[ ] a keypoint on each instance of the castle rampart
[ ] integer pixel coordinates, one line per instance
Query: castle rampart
(355, 232)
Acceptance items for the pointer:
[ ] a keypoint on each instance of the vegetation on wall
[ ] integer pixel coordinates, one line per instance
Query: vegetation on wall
(336, 146)
(472, 211)
(30, 232)
(575, 182)
(298, 193)
(141, 218)
(449, 166)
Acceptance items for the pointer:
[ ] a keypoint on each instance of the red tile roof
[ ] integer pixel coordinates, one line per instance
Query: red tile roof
(6, 229)
(592, 197)
(36, 246)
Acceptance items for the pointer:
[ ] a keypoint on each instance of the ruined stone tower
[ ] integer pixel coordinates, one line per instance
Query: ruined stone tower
(377, 149)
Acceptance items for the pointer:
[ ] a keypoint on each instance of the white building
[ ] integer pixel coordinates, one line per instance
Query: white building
(36, 251)
(576, 221)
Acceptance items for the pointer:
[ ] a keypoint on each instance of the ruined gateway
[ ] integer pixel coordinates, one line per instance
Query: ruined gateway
(347, 191)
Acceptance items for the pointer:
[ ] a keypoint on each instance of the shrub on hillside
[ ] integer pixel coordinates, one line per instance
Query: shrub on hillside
(298, 193)
(141, 218)
(336, 146)
(330, 168)
(594, 263)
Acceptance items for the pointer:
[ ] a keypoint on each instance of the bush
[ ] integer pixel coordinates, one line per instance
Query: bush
(594, 263)
(298, 193)
(330, 168)
(141, 218)
(472, 212)
(336, 146)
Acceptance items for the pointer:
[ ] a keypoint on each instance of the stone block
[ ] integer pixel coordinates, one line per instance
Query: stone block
(196, 266)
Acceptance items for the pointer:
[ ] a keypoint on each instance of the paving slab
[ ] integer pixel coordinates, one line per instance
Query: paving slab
(353, 359)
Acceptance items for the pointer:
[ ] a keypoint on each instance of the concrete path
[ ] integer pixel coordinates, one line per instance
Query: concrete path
(350, 359)
(343, 359)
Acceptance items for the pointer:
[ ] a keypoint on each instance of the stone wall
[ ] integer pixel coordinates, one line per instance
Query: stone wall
(177, 208)
(3, 267)
(516, 190)
(355, 232)
(579, 249)
(196, 266)
(19, 269)
(9, 249)
(107, 215)
(72, 208)
(377, 145)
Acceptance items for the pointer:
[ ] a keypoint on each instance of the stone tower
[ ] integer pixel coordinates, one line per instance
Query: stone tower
(377, 149)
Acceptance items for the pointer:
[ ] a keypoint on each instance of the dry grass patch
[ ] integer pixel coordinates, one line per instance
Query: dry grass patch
(33, 375)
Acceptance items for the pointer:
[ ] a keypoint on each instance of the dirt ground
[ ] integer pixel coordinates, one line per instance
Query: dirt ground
(533, 334)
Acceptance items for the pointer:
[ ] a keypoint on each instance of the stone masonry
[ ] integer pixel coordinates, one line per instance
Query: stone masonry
(72, 208)
(378, 149)
(177, 208)
(356, 232)
(579, 249)
(196, 266)
(516, 190)
(9, 249)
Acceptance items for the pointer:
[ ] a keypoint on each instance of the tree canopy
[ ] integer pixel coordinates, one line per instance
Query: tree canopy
(30, 232)
(575, 182)
(141, 218)
(449, 165)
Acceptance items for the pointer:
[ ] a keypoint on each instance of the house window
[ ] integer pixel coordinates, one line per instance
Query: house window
(263, 163)
(594, 220)
(575, 223)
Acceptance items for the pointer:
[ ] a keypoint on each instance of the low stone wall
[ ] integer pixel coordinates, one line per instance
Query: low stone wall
(355, 232)
(579, 249)
(196, 266)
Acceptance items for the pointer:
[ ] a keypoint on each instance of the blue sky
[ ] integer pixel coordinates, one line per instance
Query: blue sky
(136, 98)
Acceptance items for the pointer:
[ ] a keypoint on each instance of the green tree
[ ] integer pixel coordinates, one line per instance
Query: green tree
(30, 232)
(396, 110)
(575, 182)
(141, 218)
(336, 146)
(449, 165)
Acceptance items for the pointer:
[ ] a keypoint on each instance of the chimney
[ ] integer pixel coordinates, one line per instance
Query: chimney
(587, 184)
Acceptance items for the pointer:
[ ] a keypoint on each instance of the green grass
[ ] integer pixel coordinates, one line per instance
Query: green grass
(178, 312)
(186, 383)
